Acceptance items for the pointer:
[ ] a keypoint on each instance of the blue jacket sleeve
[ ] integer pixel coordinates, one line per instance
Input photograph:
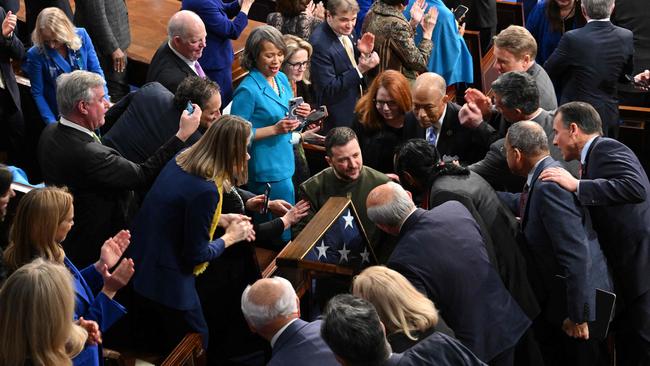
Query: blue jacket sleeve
(198, 247)
(35, 67)
(91, 61)
(103, 310)
(219, 25)
(563, 222)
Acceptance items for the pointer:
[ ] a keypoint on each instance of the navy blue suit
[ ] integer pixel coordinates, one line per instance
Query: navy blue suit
(442, 253)
(614, 187)
(559, 235)
(170, 236)
(436, 350)
(589, 62)
(92, 304)
(301, 344)
(218, 55)
(336, 81)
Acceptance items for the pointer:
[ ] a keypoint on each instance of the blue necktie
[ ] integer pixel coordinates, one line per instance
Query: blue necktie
(433, 136)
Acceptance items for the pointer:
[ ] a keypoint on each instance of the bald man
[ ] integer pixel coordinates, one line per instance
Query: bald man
(437, 122)
(177, 58)
(272, 310)
(442, 253)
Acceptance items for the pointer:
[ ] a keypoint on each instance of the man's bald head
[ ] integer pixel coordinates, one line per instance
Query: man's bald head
(389, 205)
(269, 300)
(181, 22)
(429, 98)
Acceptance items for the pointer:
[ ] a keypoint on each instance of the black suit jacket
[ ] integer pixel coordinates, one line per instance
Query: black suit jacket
(442, 253)
(101, 181)
(634, 16)
(336, 82)
(469, 145)
(615, 188)
(11, 48)
(142, 122)
(499, 229)
(167, 68)
(435, 350)
(589, 62)
(494, 166)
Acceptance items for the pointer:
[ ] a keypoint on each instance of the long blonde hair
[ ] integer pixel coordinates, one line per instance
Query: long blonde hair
(220, 154)
(400, 306)
(294, 44)
(55, 20)
(36, 312)
(39, 214)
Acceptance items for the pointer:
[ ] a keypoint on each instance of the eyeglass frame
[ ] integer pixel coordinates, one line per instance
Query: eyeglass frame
(299, 65)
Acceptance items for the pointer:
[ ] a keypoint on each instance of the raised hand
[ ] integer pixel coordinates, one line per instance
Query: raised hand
(119, 278)
(368, 62)
(113, 249)
(483, 102)
(189, 123)
(9, 24)
(366, 43)
(297, 212)
(429, 22)
(417, 12)
(470, 116)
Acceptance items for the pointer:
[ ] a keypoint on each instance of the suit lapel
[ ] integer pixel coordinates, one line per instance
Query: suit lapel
(180, 63)
(268, 90)
(338, 46)
(543, 165)
(57, 59)
(81, 287)
(585, 172)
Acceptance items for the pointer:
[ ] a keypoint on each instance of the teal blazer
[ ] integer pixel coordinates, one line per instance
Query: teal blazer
(255, 101)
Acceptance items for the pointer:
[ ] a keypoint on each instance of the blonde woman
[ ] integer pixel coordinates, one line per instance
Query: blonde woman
(52, 208)
(37, 304)
(58, 48)
(408, 315)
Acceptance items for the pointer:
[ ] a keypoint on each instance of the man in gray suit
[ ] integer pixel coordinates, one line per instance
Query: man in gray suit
(107, 23)
(272, 310)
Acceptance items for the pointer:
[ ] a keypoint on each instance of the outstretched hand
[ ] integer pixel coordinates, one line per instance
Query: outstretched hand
(119, 278)
(417, 12)
(366, 43)
(295, 214)
(92, 328)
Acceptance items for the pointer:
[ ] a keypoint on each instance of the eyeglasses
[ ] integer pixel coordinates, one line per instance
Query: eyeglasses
(388, 103)
(299, 65)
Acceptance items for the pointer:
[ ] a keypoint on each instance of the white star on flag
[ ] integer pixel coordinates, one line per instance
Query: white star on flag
(322, 250)
(365, 255)
(348, 220)
(344, 254)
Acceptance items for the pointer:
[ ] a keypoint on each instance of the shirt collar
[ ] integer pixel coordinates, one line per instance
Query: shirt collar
(529, 180)
(598, 20)
(279, 332)
(76, 126)
(189, 62)
(585, 149)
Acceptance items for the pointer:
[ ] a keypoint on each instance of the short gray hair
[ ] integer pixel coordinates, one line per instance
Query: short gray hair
(258, 315)
(394, 212)
(529, 137)
(598, 9)
(76, 86)
(254, 44)
(518, 90)
(177, 25)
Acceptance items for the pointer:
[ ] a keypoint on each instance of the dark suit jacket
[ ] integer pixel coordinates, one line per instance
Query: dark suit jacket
(558, 233)
(470, 145)
(614, 187)
(336, 82)
(634, 16)
(435, 350)
(301, 344)
(443, 255)
(10, 49)
(13, 5)
(142, 122)
(167, 68)
(494, 166)
(34, 7)
(499, 229)
(106, 21)
(101, 181)
(589, 62)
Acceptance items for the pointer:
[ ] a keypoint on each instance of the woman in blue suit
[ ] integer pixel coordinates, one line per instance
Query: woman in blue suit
(58, 48)
(263, 99)
(94, 286)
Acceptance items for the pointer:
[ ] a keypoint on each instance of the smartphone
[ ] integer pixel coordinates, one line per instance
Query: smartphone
(315, 116)
(267, 194)
(460, 12)
(293, 104)
(189, 108)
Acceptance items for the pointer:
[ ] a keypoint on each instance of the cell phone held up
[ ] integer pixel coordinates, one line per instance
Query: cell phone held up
(189, 107)
(294, 103)
(267, 193)
(460, 12)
